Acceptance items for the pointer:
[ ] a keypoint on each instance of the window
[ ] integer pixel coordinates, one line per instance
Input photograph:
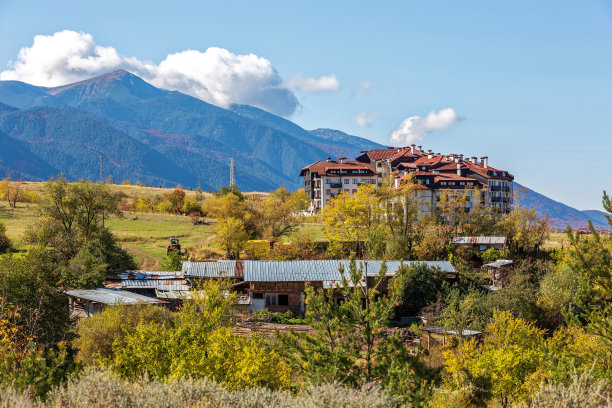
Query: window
(346, 181)
(373, 181)
(354, 190)
(271, 300)
(355, 181)
(258, 295)
(426, 181)
(328, 191)
(327, 181)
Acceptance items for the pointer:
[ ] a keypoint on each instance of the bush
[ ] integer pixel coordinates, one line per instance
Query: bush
(101, 389)
(97, 333)
(583, 392)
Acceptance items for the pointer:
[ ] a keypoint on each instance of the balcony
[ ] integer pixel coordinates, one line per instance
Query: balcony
(335, 185)
(495, 188)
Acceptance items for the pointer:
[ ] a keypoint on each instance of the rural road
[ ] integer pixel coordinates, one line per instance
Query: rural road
(147, 262)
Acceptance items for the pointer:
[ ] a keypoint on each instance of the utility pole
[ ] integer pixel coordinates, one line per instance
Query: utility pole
(101, 169)
(232, 173)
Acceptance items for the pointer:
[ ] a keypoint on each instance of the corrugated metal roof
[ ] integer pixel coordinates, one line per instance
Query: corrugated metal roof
(110, 296)
(499, 263)
(160, 284)
(321, 270)
(215, 269)
(479, 240)
(151, 275)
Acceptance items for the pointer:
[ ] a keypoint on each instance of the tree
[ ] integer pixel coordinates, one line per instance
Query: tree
(172, 262)
(198, 343)
(349, 218)
(5, 243)
(72, 217)
(420, 286)
(279, 213)
(525, 230)
(508, 366)
(96, 334)
(349, 344)
(230, 236)
(10, 191)
(590, 257)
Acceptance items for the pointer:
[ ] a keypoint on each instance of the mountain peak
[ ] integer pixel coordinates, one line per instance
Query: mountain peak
(119, 85)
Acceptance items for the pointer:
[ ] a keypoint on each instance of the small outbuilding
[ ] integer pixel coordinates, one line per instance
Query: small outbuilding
(86, 302)
(481, 243)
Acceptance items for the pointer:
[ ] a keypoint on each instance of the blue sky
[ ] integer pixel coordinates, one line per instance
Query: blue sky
(531, 82)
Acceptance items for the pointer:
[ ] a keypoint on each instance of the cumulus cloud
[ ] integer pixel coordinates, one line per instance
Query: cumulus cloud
(364, 119)
(216, 75)
(325, 83)
(415, 128)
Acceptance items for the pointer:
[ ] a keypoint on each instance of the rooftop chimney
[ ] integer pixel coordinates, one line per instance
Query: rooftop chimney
(420, 148)
(328, 159)
(459, 169)
(429, 155)
(456, 159)
(474, 159)
(412, 148)
(485, 161)
(461, 157)
(342, 159)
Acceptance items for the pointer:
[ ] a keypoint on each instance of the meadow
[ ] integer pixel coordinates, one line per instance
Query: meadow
(144, 235)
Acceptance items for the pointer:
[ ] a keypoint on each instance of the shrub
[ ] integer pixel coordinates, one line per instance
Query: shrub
(97, 389)
(582, 392)
(97, 333)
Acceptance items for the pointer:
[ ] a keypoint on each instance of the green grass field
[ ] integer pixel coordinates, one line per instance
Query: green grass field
(144, 235)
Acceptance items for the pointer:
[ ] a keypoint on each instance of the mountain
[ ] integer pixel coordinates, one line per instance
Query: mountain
(333, 135)
(159, 137)
(597, 216)
(173, 138)
(561, 215)
(20, 162)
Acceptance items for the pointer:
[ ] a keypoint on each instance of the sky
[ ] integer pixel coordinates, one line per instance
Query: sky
(528, 84)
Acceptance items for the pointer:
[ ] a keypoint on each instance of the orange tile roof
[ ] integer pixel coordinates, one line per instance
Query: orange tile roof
(323, 166)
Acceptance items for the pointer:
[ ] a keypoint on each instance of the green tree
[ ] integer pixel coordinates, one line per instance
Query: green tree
(420, 286)
(199, 342)
(349, 344)
(72, 218)
(172, 262)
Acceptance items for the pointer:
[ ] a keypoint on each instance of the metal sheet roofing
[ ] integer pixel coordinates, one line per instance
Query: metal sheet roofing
(215, 269)
(159, 284)
(322, 270)
(151, 275)
(479, 240)
(499, 263)
(110, 296)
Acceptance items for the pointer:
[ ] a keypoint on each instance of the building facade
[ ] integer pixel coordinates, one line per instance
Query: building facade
(429, 175)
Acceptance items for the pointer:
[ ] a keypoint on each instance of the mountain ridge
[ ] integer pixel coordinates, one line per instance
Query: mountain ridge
(159, 137)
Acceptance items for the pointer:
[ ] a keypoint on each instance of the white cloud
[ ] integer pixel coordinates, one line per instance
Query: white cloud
(364, 119)
(216, 75)
(416, 127)
(325, 83)
(366, 85)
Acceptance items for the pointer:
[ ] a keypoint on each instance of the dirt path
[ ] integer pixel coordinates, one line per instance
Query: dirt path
(147, 262)
(204, 241)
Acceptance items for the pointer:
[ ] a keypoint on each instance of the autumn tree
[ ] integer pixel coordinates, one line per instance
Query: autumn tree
(525, 230)
(10, 191)
(349, 219)
(230, 236)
